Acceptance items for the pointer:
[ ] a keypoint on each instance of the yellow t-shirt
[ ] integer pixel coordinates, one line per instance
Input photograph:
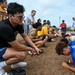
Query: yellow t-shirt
(33, 33)
(2, 13)
(44, 31)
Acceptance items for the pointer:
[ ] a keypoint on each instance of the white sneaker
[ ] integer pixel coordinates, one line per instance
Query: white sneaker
(20, 64)
(52, 40)
(31, 53)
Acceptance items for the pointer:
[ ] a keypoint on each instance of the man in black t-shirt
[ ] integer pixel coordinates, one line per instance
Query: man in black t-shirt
(11, 51)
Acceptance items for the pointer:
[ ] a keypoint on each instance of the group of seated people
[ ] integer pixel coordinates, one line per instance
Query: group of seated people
(42, 33)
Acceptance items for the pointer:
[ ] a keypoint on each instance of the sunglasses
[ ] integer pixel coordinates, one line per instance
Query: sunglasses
(20, 17)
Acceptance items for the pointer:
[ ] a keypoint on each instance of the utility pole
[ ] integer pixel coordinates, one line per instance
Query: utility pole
(59, 21)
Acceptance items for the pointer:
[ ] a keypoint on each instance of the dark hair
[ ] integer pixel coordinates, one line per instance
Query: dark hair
(37, 24)
(73, 17)
(2, 0)
(63, 20)
(66, 35)
(14, 7)
(44, 20)
(54, 26)
(39, 20)
(59, 47)
(33, 11)
(48, 22)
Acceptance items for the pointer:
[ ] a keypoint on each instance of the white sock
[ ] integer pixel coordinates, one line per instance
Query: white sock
(2, 64)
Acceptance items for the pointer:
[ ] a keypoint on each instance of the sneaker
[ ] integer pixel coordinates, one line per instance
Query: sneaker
(52, 40)
(19, 71)
(20, 64)
(29, 52)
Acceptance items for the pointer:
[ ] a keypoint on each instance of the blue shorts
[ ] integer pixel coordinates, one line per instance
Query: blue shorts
(2, 51)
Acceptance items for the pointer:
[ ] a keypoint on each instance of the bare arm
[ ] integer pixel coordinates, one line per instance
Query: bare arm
(16, 45)
(28, 40)
(34, 40)
(65, 65)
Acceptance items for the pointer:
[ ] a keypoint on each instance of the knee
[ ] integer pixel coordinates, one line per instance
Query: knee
(21, 56)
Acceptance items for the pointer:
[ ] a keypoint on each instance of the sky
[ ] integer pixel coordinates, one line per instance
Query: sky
(53, 10)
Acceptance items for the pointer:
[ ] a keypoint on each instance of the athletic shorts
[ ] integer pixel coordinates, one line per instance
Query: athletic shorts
(2, 51)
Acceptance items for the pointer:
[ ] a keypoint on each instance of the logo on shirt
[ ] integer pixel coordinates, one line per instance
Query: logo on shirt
(73, 46)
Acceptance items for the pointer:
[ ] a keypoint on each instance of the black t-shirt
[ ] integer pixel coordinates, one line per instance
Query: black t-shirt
(7, 32)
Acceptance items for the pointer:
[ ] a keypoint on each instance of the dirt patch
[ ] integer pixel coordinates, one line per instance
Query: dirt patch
(48, 63)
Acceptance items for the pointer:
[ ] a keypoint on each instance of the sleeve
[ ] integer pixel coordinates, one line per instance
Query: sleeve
(45, 30)
(71, 43)
(39, 33)
(7, 34)
(20, 28)
(30, 17)
(32, 34)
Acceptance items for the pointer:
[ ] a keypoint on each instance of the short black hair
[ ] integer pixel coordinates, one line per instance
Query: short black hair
(44, 20)
(2, 0)
(54, 26)
(38, 20)
(14, 7)
(63, 20)
(48, 22)
(36, 25)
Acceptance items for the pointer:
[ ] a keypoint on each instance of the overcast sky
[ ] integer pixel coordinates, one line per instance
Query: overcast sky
(53, 10)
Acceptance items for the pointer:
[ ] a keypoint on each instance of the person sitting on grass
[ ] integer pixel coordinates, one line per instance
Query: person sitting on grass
(64, 49)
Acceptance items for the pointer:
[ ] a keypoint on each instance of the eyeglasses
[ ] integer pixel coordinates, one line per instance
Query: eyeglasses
(20, 17)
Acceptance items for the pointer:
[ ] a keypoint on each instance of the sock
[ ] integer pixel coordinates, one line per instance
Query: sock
(2, 64)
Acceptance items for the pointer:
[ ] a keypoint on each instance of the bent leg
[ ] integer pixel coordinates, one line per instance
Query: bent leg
(39, 43)
(13, 56)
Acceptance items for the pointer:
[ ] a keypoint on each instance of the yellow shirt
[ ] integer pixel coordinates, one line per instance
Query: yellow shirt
(44, 31)
(2, 13)
(2, 10)
(33, 33)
